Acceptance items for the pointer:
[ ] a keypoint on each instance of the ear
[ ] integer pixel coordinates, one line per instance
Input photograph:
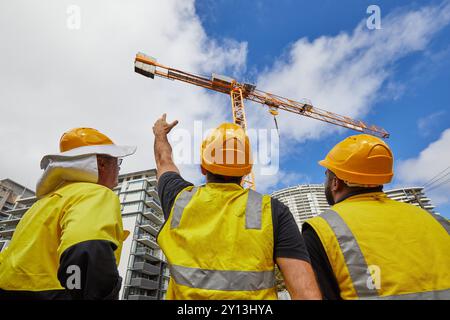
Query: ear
(203, 170)
(335, 184)
(338, 184)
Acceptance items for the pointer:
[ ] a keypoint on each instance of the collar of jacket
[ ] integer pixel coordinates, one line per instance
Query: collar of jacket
(360, 192)
(60, 171)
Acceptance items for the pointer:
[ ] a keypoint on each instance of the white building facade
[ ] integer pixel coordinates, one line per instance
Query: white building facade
(304, 201)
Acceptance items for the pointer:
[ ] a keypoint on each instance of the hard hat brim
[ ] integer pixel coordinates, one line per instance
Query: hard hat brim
(353, 177)
(111, 150)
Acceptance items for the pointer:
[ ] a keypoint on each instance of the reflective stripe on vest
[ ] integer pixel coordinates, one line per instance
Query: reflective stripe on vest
(428, 295)
(253, 209)
(222, 280)
(180, 204)
(354, 259)
(444, 222)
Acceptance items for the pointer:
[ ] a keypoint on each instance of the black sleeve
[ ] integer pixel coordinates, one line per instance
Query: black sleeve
(288, 241)
(169, 185)
(321, 265)
(99, 277)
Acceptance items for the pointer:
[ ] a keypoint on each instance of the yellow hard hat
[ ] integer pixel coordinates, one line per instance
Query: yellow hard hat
(361, 159)
(86, 141)
(81, 137)
(226, 151)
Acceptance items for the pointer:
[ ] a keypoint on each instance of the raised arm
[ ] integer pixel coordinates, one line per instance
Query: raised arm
(162, 148)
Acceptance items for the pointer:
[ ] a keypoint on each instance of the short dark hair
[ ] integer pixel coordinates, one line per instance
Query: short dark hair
(211, 177)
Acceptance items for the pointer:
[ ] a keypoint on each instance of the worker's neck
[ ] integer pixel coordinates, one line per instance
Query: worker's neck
(212, 180)
(345, 194)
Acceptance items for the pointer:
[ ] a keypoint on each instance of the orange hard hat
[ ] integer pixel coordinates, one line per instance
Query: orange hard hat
(80, 142)
(226, 151)
(81, 137)
(361, 159)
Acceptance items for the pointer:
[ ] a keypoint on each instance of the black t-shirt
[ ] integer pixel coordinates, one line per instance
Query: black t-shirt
(288, 241)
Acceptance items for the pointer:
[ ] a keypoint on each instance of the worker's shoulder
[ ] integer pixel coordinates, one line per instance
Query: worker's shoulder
(85, 188)
(278, 207)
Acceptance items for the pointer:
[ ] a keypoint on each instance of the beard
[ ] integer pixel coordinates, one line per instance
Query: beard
(328, 195)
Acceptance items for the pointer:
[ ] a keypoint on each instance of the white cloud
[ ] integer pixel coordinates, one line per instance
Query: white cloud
(426, 124)
(54, 78)
(430, 162)
(346, 73)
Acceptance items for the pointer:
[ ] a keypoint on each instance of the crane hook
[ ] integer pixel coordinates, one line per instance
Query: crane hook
(273, 111)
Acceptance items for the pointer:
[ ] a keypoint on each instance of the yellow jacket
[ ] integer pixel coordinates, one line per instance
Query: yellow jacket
(74, 213)
(381, 248)
(218, 241)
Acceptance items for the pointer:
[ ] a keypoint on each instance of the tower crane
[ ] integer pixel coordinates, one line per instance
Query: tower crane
(149, 67)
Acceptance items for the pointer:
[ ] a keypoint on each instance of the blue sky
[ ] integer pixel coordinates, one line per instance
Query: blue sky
(417, 89)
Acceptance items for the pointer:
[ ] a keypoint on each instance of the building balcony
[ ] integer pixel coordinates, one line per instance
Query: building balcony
(147, 254)
(18, 212)
(148, 241)
(144, 283)
(153, 193)
(146, 268)
(150, 201)
(140, 297)
(153, 216)
(6, 231)
(152, 181)
(27, 201)
(11, 221)
(148, 227)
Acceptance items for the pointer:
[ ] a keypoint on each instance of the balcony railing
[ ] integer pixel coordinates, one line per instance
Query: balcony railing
(147, 253)
(148, 240)
(144, 283)
(149, 199)
(140, 297)
(150, 228)
(153, 216)
(7, 230)
(146, 268)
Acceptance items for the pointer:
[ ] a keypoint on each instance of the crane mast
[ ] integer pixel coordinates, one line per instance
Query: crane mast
(239, 92)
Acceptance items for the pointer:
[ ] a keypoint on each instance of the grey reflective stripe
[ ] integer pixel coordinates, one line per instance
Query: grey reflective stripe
(222, 280)
(429, 295)
(354, 259)
(253, 210)
(444, 222)
(179, 205)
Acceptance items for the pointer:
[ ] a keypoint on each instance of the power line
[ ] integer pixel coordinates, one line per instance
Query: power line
(432, 180)
(436, 181)
(439, 185)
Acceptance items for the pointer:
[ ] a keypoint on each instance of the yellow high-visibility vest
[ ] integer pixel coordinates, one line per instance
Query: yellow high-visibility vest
(74, 213)
(379, 248)
(218, 241)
